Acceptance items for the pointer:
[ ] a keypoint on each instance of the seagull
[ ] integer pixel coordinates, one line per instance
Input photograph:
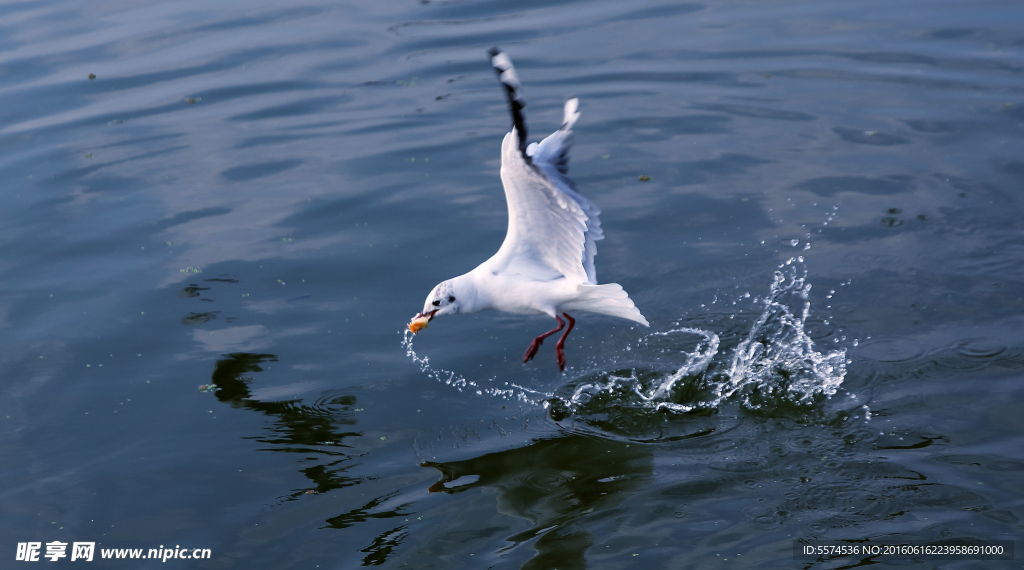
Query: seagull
(545, 265)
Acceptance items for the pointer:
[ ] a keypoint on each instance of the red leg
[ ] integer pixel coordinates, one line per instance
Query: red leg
(560, 345)
(532, 349)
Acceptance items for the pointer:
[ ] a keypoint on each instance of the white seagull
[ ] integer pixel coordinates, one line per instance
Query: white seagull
(546, 263)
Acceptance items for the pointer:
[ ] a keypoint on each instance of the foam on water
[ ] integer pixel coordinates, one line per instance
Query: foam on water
(684, 369)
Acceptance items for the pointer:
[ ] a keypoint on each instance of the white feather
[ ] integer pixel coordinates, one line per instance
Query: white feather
(546, 262)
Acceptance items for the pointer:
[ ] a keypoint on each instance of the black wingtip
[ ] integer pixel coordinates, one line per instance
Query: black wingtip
(509, 80)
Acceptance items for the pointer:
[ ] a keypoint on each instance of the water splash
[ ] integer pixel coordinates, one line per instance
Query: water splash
(778, 359)
(775, 364)
(506, 390)
(642, 386)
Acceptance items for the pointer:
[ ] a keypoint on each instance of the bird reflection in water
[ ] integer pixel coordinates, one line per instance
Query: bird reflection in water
(551, 483)
(312, 430)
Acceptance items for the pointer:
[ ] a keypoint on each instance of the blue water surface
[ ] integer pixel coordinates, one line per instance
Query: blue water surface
(218, 217)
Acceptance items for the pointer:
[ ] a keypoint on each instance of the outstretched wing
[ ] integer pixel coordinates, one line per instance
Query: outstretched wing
(551, 156)
(551, 227)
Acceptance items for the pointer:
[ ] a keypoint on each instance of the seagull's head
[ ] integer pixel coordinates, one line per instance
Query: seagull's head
(442, 300)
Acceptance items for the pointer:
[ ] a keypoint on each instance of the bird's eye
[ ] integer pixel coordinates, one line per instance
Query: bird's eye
(451, 298)
(436, 303)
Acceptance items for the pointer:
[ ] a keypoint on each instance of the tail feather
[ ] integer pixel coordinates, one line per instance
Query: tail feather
(608, 299)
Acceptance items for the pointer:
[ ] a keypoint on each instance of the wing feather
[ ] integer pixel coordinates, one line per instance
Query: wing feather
(547, 226)
(551, 156)
(552, 228)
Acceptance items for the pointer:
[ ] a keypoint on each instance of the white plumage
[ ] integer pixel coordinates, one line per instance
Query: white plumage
(545, 265)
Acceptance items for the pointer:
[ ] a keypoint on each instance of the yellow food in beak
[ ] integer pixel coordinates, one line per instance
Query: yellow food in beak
(418, 324)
